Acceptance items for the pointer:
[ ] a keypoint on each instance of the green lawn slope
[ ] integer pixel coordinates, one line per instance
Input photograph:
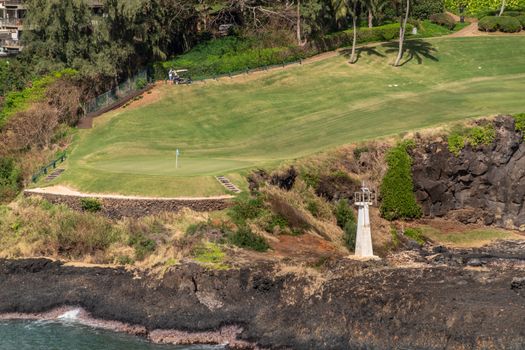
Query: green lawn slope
(228, 126)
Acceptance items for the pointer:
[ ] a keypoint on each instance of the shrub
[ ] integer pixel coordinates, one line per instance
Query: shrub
(359, 151)
(415, 234)
(196, 229)
(142, 245)
(522, 20)
(80, 234)
(488, 24)
(343, 213)
(245, 238)
(475, 136)
(124, 260)
(456, 143)
(481, 135)
(211, 255)
(91, 205)
(350, 234)
(423, 9)
(10, 178)
(519, 120)
(141, 84)
(246, 207)
(514, 13)
(285, 206)
(509, 24)
(397, 188)
(275, 220)
(504, 23)
(443, 19)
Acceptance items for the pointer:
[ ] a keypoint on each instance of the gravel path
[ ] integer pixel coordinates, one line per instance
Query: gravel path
(66, 191)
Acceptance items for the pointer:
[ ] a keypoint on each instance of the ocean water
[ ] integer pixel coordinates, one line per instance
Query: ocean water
(47, 335)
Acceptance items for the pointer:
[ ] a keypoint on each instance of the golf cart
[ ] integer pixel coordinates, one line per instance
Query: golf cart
(181, 76)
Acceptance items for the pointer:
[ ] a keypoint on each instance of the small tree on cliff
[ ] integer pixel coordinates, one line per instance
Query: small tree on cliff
(397, 188)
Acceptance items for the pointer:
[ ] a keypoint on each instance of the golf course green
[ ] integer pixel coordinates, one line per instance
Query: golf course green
(229, 126)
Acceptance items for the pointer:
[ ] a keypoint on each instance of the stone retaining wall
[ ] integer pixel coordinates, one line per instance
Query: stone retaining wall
(117, 208)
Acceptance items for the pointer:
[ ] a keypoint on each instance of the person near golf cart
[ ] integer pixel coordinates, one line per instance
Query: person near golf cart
(179, 77)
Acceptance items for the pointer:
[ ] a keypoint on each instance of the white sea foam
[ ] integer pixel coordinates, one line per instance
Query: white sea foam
(70, 315)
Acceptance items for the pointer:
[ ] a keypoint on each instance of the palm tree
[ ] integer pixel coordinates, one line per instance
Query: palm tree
(355, 6)
(402, 31)
(374, 7)
(340, 8)
(503, 5)
(299, 30)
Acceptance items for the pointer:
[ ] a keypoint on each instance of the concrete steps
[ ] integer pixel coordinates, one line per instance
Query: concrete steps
(54, 174)
(227, 184)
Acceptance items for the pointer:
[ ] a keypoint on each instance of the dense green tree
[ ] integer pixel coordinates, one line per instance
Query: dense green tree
(130, 34)
(62, 34)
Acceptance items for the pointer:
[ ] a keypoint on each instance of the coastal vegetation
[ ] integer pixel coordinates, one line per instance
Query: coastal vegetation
(474, 136)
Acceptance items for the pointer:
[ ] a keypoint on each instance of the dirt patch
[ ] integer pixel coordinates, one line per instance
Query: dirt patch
(148, 97)
(305, 248)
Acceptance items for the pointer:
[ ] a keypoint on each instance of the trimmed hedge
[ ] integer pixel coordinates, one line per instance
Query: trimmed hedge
(345, 38)
(504, 24)
(488, 24)
(509, 24)
(522, 20)
(397, 188)
(443, 19)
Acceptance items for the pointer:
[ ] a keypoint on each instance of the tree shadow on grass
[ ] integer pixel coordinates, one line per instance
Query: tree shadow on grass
(414, 49)
(369, 51)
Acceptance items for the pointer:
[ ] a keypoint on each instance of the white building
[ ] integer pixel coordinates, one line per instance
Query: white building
(12, 13)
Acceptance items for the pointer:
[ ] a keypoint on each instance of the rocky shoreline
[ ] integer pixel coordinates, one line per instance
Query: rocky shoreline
(431, 298)
(226, 335)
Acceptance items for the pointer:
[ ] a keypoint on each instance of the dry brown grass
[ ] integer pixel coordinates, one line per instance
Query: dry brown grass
(31, 227)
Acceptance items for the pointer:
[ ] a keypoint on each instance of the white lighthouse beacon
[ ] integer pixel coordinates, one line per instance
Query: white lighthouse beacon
(363, 244)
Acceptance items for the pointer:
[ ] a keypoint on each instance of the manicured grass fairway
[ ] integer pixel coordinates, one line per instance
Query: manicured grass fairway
(229, 126)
